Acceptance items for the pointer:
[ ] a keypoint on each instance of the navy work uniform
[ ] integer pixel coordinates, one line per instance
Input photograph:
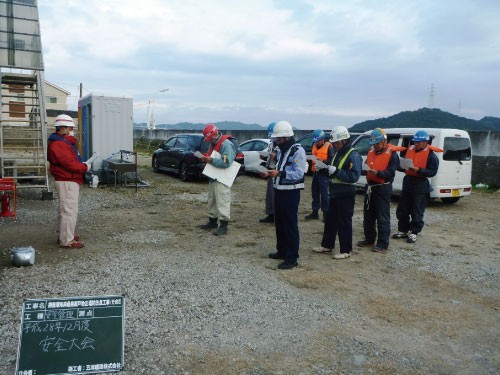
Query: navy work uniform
(377, 207)
(290, 164)
(342, 199)
(415, 194)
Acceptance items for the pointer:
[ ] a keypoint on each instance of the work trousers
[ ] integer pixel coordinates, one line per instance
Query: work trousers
(270, 197)
(411, 205)
(219, 201)
(377, 214)
(319, 191)
(339, 220)
(68, 193)
(286, 222)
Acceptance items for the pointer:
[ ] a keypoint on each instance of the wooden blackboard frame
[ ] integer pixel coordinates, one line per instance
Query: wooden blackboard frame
(74, 335)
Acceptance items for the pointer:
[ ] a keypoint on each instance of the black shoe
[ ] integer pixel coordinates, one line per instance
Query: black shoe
(287, 265)
(365, 243)
(276, 255)
(212, 223)
(267, 219)
(312, 216)
(379, 249)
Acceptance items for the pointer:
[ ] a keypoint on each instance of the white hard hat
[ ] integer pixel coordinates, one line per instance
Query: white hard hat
(282, 129)
(64, 120)
(339, 133)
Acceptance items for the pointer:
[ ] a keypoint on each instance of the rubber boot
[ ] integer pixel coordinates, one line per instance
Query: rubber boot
(222, 230)
(212, 223)
(312, 216)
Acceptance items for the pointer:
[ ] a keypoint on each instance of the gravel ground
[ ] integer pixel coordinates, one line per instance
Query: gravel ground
(198, 304)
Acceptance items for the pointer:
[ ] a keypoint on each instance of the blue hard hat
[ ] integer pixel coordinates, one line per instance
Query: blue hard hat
(421, 136)
(270, 129)
(318, 135)
(377, 136)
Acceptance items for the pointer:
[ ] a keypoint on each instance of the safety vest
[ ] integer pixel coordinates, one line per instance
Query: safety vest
(419, 158)
(335, 180)
(218, 144)
(321, 153)
(380, 162)
(281, 164)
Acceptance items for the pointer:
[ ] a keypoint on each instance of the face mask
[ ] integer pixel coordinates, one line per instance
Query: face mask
(71, 133)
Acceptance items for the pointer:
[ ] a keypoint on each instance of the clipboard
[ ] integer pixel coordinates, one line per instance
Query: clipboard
(225, 176)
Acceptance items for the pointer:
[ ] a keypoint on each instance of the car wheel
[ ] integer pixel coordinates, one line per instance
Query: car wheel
(450, 200)
(183, 172)
(156, 165)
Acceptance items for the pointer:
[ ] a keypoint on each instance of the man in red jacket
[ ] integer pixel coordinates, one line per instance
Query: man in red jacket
(68, 171)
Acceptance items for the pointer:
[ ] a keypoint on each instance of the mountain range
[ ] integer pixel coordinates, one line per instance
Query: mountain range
(428, 118)
(421, 118)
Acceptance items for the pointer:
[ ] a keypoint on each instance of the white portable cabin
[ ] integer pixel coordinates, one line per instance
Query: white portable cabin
(106, 126)
(453, 179)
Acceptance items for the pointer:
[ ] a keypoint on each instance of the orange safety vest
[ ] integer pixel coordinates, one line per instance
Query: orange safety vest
(380, 162)
(419, 158)
(321, 153)
(218, 144)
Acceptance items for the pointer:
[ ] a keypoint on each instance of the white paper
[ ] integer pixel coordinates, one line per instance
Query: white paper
(405, 163)
(320, 165)
(92, 158)
(225, 176)
(198, 154)
(252, 159)
(261, 169)
(311, 157)
(365, 167)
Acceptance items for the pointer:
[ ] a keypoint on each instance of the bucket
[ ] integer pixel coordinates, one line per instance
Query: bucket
(22, 256)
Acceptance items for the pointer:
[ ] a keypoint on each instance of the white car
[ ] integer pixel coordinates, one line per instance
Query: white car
(453, 179)
(252, 151)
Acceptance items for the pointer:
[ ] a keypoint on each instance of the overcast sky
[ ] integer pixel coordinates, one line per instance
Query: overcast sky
(317, 64)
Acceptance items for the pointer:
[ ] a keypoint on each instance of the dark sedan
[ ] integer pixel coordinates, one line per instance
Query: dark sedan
(176, 155)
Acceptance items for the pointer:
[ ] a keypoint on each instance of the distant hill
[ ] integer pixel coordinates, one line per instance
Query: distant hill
(421, 118)
(223, 125)
(428, 118)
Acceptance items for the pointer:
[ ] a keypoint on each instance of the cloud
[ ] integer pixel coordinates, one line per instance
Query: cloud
(316, 59)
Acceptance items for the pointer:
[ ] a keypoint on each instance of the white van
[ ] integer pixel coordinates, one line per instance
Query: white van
(453, 179)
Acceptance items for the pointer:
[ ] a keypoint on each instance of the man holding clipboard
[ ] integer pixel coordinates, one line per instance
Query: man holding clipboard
(419, 164)
(221, 156)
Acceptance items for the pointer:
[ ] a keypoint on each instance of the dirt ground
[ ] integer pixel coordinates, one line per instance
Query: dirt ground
(438, 299)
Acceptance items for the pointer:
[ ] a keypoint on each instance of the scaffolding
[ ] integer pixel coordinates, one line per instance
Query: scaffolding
(23, 119)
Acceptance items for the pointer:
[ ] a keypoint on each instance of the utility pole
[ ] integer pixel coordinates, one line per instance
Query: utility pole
(431, 97)
(151, 116)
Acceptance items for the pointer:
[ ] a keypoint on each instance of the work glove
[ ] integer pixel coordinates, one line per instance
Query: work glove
(331, 169)
(88, 166)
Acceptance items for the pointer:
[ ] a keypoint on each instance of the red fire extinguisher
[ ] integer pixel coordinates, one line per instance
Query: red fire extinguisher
(6, 211)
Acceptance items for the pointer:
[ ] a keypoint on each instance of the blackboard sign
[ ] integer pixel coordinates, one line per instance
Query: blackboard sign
(78, 335)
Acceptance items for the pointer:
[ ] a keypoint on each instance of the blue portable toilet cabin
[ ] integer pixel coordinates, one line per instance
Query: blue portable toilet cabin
(106, 126)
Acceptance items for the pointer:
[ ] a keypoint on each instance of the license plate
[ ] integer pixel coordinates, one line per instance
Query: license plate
(455, 192)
